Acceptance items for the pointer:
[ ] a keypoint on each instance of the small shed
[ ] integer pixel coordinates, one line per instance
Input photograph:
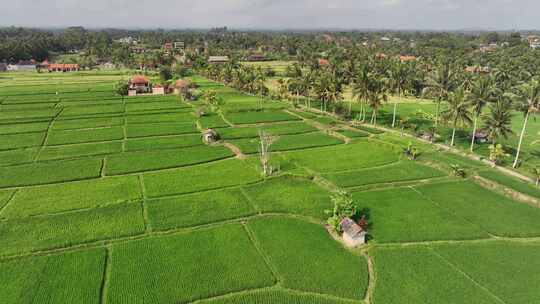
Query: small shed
(353, 234)
(481, 136)
(210, 136)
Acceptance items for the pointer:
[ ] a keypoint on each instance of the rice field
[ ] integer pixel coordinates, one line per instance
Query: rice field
(105, 199)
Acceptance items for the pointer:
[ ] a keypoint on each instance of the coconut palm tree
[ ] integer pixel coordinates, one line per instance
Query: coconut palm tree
(458, 112)
(482, 92)
(528, 102)
(399, 77)
(377, 94)
(439, 83)
(361, 89)
(498, 121)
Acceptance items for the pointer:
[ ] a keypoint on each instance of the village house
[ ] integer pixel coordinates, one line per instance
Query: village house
(534, 42)
(138, 49)
(353, 234)
(23, 66)
(218, 59)
(139, 84)
(158, 90)
(179, 45)
(63, 67)
(481, 136)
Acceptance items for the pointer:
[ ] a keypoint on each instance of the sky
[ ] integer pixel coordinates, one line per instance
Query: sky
(275, 14)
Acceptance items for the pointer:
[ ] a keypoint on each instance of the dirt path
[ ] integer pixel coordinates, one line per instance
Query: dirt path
(235, 150)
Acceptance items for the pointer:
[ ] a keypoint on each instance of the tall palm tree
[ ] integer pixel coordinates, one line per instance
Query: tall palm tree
(458, 112)
(377, 94)
(499, 119)
(439, 83)
(482, 92)
(399, 77)
(528, 102)
(361, 89)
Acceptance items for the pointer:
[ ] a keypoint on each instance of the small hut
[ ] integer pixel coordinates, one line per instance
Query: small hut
(481, 136)
(353, 234)
(210, 136)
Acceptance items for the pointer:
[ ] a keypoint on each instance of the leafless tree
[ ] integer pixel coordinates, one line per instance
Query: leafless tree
(266, 140)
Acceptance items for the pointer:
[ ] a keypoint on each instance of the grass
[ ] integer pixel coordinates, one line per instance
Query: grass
(199, 178)
(288, 142)
(198, 209)
(289, 194)
(49, 172)
(212, 121)
(169, 142)
(64, 137)
(73, 277)
(57, 198)
(352, 134)
(18, 157)
(160, 129)
(277, 296)
(186, 267)
(274, 129)
(398, 172)
(5, 195)
(141, 161)
(68, 229)
(417, 275)
(160, 118)
(345, 157)
(510, 182)
(80, 150)
(87, 123)
(306, 258)
(253, 117)
(153, 106)
(18, 141)
(509, 270)
(31, 127)
(403, 215)
(490, 211)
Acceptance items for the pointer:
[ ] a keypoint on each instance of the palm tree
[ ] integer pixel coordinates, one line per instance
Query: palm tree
(440, 83)
(399, 77)
(528, 102)
(499, 119)
(482, 92)
(361, 89)
(458, 112)
(377, 94)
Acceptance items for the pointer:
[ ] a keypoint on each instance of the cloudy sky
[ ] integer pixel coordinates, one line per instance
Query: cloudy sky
(275, 14)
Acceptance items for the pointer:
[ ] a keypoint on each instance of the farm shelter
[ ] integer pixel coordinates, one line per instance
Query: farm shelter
(481, 136)
(140, 84)
(63, 67)
(353, 234)
(210, 136)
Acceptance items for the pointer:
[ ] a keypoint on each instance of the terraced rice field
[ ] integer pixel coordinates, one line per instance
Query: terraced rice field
(105, 199)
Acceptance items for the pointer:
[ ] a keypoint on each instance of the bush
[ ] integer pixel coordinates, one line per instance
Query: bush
(343, 207)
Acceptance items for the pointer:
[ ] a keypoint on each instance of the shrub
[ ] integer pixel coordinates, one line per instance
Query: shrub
(343, 207)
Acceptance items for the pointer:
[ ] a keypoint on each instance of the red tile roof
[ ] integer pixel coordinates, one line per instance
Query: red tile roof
(139, 79)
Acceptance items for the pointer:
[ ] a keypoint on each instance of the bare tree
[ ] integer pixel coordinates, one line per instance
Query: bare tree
(266, 140)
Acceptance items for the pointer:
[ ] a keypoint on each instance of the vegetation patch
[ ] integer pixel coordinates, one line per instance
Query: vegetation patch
(288, 142)
(352, 134)
(18, 141)
(274, 129)
(31, 127)
(56, 198)
(73, 277)
(289, 194)
(198, 209)
(473, 203)
(278, 296)
(154, 106)
(160, 118)
(258, 117)
(49, 172)
(64, 137)
(157, 129)
(308, 259)
(403, 215)
(74, 151)
(87, 123)
(402, 171)
(212, 121)
(68, 229)
(186, 267)
(199, 178)
(169, 142)
(18, 157)
(511, 183)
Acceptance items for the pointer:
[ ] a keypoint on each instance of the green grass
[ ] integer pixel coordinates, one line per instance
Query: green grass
(212, 121)
(417, 275)
(345, 157)
(289, 194)
(199, 178)
(92, 110)
(198, 209)
(49, 172)
(141, 161)
(86, 123)
(7, 117)
(80, 150)
(31, 127)
(398, 172)
(274, 129)
(307, 258)
(68, 229)
(18, 157)
(508, 269)
(512, 183)
(288, 142)
(159, 129)
(369, 129)
(64, 137)
(154, 106)
(258, 117)
(17, 141)
(57, 198)
(73, 277)
(352, 134)
(5, 195)
(169, 142)
(403, 215)
(160, 118)
(277, 296)
(186, 267)
(490, 211)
